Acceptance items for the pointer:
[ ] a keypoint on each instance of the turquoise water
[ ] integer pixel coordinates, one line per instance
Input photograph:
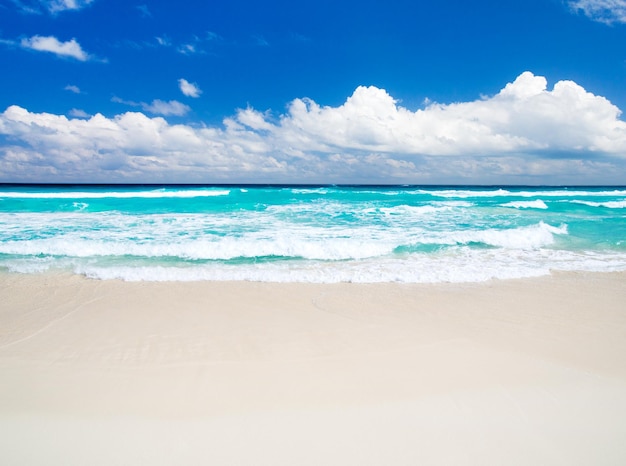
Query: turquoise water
(311, 234)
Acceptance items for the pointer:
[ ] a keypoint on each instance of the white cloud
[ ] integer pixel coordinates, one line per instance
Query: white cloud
(78, 113)
(25, 7)
(160, 107)
(52, 6)
(254, 120)
(51, 44)
(526, 133)
(164, 41)
(523, 117)
(188, 49)
(56, 6)
(157, 107)
(119, 100)
(604, 11)
(194, 45)
(72, 88)
(189, 89)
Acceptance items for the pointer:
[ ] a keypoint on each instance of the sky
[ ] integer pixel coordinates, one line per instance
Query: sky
(313, 92)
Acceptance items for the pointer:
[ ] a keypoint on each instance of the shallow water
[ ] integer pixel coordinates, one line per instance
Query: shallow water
(312, 234)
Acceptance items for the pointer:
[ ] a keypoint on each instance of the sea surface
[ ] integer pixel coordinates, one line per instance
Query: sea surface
(323, 234)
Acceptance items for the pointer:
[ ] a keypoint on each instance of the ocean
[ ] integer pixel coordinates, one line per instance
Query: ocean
(321, 234)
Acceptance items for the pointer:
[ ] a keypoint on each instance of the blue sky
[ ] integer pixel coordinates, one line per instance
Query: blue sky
(448, 91)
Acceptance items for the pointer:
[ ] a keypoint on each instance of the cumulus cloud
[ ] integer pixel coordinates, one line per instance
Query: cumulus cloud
(525, 133)
(604, 11)
(51, 44)
(523, 117)
(189, 89)
(138, 146)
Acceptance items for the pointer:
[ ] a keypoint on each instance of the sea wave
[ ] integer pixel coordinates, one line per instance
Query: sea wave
(337, 244)
(463, 194)
(538, 204)
(609, 204)
(151, 194)
(460, 266)
(321, 235)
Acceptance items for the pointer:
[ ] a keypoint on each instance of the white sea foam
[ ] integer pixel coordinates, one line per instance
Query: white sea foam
(465, 266)
(309, 190)
(329, 244)
(609, 204)
(413, 210)
(538, 204)
(530, 237)
(220, 249)
(462, 194)
(334, 209)
(151, 194)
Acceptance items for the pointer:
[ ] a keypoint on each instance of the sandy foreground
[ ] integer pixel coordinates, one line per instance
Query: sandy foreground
(514, 372)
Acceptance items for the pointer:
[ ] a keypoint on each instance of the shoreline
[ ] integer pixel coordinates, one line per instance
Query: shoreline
(507, 371)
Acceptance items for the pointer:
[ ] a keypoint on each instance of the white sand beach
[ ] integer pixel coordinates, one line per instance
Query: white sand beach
(528, 371)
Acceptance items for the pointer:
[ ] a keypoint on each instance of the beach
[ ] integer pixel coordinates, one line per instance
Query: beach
(525, 371)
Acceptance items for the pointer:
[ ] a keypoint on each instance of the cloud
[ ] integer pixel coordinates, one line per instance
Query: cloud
(142, 147)
(196, 45)
(188, 49)
(161, 107)
(522, 117)
(78, 113)
(28, 7)
(189, 89)
(145, 12)
(525, 133)
(52, 6)
(164, 41)
(603, 11)
(119, 100)
(72, 88)
(51, 44)
(157, 107)
(56, 6)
